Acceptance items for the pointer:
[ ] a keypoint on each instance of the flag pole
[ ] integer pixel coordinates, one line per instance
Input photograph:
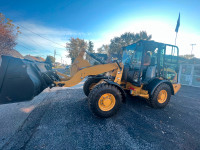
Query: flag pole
(175, 38)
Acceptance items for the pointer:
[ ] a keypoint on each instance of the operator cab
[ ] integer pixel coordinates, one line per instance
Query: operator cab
(147, 60)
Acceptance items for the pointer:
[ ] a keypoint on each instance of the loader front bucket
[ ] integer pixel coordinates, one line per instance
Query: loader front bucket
(21, 79)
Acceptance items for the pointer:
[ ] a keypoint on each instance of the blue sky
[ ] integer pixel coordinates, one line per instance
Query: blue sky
(100, 21)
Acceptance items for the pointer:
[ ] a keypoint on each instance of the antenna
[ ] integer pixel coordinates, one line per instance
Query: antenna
(192, 47)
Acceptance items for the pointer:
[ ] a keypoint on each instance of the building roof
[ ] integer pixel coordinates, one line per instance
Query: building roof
(40, 58)
(13, 53)
(34, 58)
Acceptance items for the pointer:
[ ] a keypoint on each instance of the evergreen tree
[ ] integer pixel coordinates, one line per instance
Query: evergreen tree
(90, 47)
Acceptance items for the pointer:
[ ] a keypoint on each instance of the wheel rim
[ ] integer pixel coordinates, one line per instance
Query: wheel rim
(162, 96)
(106, 102)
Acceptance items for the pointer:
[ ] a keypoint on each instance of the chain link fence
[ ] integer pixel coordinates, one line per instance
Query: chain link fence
(189, 74)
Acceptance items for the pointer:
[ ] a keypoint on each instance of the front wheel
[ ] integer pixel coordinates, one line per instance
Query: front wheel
(104, 100)
(89, 85)
(161, 96)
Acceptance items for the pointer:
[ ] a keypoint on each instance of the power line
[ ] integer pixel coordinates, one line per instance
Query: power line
(33, 41)
(39, 35)
(37, 44)
(24, 47)
(29, 48)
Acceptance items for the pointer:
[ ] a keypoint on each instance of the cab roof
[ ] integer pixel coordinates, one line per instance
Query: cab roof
(147, 44)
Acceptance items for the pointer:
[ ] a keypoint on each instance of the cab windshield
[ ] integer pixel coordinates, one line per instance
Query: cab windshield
(132, 56)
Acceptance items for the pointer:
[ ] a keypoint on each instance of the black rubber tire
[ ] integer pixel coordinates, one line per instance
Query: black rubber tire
(128, 93)
(95, 95)
(88, 83)
(153, 99)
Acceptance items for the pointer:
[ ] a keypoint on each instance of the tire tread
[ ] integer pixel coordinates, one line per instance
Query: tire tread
(92, 101)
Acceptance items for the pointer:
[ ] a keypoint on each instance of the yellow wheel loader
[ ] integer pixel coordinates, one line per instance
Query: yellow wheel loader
(147, 69)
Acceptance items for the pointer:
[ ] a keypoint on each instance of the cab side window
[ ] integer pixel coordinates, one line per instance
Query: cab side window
(171, 63)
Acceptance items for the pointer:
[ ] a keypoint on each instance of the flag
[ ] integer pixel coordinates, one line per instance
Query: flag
(178, 23)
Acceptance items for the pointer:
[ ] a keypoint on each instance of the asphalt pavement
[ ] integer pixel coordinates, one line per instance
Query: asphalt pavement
(62, 120)
(13, 115)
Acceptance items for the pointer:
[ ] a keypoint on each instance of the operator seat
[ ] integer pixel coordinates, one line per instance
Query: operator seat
(151, 70)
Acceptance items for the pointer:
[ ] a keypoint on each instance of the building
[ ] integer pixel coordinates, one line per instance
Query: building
(34, 58)
(13, 53)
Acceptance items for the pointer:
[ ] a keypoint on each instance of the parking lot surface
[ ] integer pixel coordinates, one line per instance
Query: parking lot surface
(63, 121)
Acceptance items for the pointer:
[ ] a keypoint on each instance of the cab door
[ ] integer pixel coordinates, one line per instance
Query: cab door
(170, 64)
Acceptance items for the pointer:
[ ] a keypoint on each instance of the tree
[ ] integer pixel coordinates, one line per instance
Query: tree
(104, 49)
(188, 56)
(74, 46)
(100, 50)
(8, 34)
(90, 47)
(50, 59)
(125, 39)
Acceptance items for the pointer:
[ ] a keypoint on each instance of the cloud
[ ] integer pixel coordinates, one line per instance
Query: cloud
(161, 32)
(36, 38)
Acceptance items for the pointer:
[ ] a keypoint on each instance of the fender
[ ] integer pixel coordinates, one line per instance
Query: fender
(152, 85)
(119, 87)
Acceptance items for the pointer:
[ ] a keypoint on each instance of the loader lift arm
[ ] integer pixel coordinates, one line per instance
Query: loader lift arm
(81, 68)
(81, 74)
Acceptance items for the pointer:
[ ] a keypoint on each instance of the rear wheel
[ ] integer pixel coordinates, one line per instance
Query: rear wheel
(89, 85)
(161, 96)
(104, 100)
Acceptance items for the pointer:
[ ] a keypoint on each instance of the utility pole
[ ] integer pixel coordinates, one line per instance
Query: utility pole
(192, 47)
(55, 58)
(55, 55)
